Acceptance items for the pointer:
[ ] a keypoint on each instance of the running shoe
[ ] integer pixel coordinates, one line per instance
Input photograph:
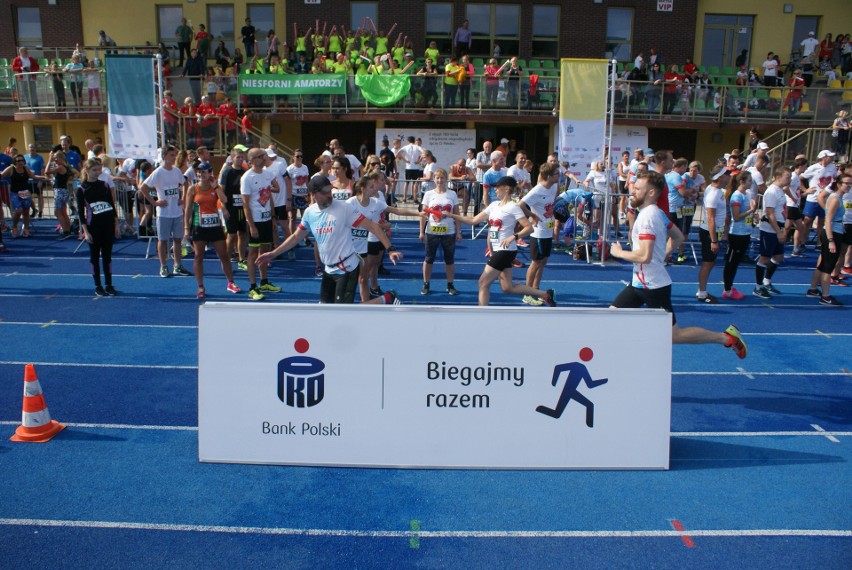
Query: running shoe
(242, 265)
(550, 300)
(391, 298)
(291, 255)
(761, 292)
(110, 290)
(813, 293)
(14, 233)
(25, 233)
(735, 341)
(164, 271)
(232, 288)
(377, 292)
(830, 301)
(451, 289)
(530, 300)
(709, 299)
(681, 259)
(201, 293)
(734, 295)
(769, 287)
(838, 282)
(517, 264)
(846, 270)
(425, 289)
(522, 243)
(181, 270)
(270, 288)
(99, 291)
(2, 247)
(255, 295)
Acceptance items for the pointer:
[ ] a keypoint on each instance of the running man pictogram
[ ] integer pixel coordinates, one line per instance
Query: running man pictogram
(577, 372)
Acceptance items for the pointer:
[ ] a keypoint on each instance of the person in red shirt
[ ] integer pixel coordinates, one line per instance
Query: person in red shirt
(190, 122)
(205, 114)
(24, 65)
(170, 117)
(247, 128)
(796, 93)
(229, 119)
(690, 69)
(673, 79)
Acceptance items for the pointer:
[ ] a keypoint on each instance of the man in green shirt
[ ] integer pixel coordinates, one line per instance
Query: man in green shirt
(184, 38)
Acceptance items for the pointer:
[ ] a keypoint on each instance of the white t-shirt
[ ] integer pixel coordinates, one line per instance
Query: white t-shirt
(714, 198)
(444, 202)
(256, 190)
(651, 224)
(540, 201)
(168, 185)
(520, 174)
(756, 181)
(770, 68)
(809, 44)
(331, 228)
(774, 198)
(597, 180)
(300, 176)
(795, 191)
(372, 211)
(411, 154)
(501, 224)
(279, 171)
(428, 185)
(819, 176)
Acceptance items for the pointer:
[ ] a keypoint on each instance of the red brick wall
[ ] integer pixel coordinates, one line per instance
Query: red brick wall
(61, 25)
(582, 23)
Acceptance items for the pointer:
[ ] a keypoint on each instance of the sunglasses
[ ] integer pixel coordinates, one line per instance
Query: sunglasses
(297, 156)
(374, 164)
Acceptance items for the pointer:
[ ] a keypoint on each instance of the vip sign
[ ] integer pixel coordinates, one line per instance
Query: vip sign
(437, 387)
(665, 5)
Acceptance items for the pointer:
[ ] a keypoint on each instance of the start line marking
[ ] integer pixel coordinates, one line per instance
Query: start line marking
(424, 533)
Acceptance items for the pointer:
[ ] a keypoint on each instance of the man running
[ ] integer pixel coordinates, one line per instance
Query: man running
(539, 201)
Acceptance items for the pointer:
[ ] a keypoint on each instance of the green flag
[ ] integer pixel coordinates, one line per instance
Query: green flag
(383, 90)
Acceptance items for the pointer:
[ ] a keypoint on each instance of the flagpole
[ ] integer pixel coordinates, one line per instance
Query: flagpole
(160, 101)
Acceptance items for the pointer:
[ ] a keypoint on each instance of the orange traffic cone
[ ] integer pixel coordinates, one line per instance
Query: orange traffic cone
(36, 425)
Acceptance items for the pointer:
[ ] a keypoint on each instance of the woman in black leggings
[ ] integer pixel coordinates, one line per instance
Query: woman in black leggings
(739, 234)
(96, 205)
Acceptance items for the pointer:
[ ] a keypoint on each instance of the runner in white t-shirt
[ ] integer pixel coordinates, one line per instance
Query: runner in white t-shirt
(502, 215)
(772, 235)
(331, 221)
(711, 230)
(436, 230)
(299, 176)
(538, 205)
(257, 187)
(651, 285)
(281, 200)
(795, 221)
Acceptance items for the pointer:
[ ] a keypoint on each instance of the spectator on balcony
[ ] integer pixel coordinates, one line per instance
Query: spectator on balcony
(839, 39)
(770, 71)
(672, 83)
(840, 132)
(196, 68)
(492, 81)
(742, 76)
(654, 57)
(105, 41)
(513, 85)
(274, 45)
(454, 75)
(170, 117)
(58, 81)
(809, 44)
(690, 70)
(93, 83)
(75, 78)
(205, 114)
(202, 39)
(796, 93)
(656, 78)
(24, 65)
(429, 88)
(846, 55)
(228, 116)
(222, 55)
(247, 37)
(826, 47)
(639, 62)
(183, 33)
(463, 40)
(826, 68)
(742, 59)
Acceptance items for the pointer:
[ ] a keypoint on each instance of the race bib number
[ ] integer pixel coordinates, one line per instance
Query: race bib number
(265, 216)
(100, 207)
(24, 194)
(340, 195)
(359, 233)
(493, 235)
(301, 192)
(748, 220)
(549, 225)
(210, 220)
(688, 211)
(238, 200)
(847, 205)
(679, 212)
(719, 234)
(171, 192)
(438, 229)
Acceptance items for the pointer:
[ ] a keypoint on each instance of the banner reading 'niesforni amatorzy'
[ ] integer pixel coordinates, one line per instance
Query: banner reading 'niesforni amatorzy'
(132, 112)
(582, 113)
(271, 84)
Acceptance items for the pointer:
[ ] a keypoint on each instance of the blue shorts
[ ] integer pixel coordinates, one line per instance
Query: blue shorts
(769, 244)
(60, 198)
(813, 210)
(22, 204)
(300, 202)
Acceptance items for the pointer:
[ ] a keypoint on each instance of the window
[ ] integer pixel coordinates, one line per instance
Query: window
(726, 36)
(493, 25)
(168, 20)
(803, 25)
(220, 26)
(29, 28)
(43, 135)
(439, 25)
(263, 19)
(545, 31)
(619, 34)
(361, 10)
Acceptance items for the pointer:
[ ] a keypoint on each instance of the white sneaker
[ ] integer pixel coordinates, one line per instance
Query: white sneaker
(530, 300)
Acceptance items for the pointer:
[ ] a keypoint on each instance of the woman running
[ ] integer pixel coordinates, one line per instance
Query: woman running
(437, 231)
(203, 226)
(502, 215)
(739, 234)
(21, 198)
(99, 222)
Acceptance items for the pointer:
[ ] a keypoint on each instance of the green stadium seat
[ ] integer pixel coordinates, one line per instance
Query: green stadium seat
(4, 62)
(5, 85)
(4, 72)
(713, 70)
(728, 71)
(547, 64)
(478, 62)
(43, 62)
(522, 63)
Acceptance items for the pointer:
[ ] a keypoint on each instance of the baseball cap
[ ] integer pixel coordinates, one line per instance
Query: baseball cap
(762, 145)
(271, 153)
(824, 153)
(241, 148)
(811, 34)
(318, 184)
(506, 181)
(504, 140)
(723, 171)
(205, 166)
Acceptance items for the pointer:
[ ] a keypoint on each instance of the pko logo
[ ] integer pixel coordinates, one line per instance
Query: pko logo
(119, 125)
(301, 382)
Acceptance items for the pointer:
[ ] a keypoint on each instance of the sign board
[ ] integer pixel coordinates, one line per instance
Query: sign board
(448, 145)
(629, 138)
(273, 84)
(665, 5)
(434, 387)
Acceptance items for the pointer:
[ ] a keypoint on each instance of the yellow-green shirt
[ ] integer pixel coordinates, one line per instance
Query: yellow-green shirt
(398, 54)
(433, 54)
(381, 45)
(450, 71)
(334, 43)
(300, 44)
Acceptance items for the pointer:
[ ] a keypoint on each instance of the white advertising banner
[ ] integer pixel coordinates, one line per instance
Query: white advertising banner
(582, 113)
(434, 387)
(448, 145)
(629, 138)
